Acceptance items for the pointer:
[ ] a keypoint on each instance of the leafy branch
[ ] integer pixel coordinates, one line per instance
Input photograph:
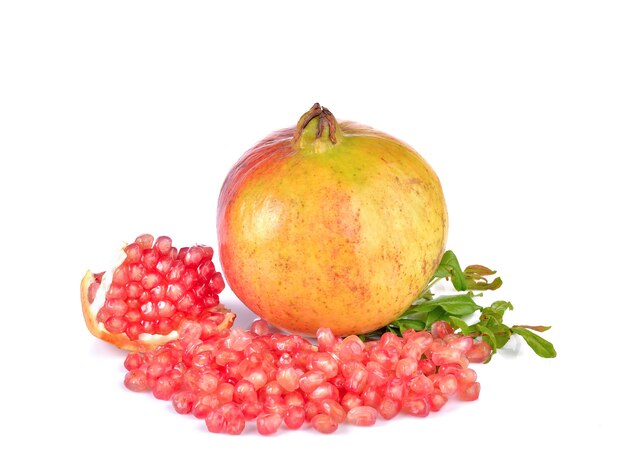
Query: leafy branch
(457, 309)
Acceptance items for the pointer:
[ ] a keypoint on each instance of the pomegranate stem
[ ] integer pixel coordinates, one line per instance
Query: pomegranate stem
(325, 118)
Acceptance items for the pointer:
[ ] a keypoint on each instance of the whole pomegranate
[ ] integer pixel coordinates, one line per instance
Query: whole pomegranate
(330, 224)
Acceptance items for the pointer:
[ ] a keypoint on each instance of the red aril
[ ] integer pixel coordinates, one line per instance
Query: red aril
(141, 302)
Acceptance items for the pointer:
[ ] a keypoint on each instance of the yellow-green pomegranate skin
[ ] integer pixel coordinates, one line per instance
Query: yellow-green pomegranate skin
(341, 230)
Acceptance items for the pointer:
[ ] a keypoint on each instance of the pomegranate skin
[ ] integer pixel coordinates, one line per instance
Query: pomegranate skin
(330, 225)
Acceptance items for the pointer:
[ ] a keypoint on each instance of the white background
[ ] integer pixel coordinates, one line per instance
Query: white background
(123, 117)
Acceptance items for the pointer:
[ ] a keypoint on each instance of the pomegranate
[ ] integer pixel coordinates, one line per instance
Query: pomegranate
(330, 224)
(141, 303)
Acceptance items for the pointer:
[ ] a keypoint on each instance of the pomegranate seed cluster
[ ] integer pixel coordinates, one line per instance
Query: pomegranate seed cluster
(157, 286)
(234, 376)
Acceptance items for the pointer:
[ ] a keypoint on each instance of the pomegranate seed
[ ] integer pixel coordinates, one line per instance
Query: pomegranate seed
(216, 283)
(215, 421)
(251, 410)
(260, 327)
(115, 325)
(447, 384)
(149, 259)
(269, 423)
(136, 380)
(288, 378)
(351, 400)
(145, 241)
(334, 409)
(133, 361)
(235, 421)
(324, 390)
(311, 380)
(439, 329)
(183, 401)
(362, 416)
(406, 368)
(225, 392)
(469, 392)
(163, 244)
(389, 408)
(117, 292)
(193, 256)
(245, 392)
(421, 385)
(395, 389)
(479, 352)
(324, 362)
(164, 388)
(426, 366)
(120, 276)
(437, 400)
(415, 406)
(115, 307)
(294, 418)
(293, 399)
(326, 339)
(133, 253)
(324, 423)
(311, 408)
(371, 397)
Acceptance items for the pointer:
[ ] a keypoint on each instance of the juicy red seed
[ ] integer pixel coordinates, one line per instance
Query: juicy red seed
(186, 302)
(479, 352)
(216, 283)
(215, 421)
(324, 390)
(362, 416)
(416, 406)
(193, 257)
(293, 399)
(145, 241)
(115, 325)
(149, 311)
(355, 382)
(406, 368)
(133, 253)
(149, 259)
(287, 377)
(311, 380)
(326, 339)
(371, 397)
(133, 361)
(164, 265)
(163, 244)
(183, 401)
(115, 307)
(136, 273)
(324, 423)
(136, 380)
(117, 292)
(439, 329)
(334, 409)
(351, 400)
(251, 410)
(269, 423)
(156, 369)
(225, 392)
(469, 392)
(234, 421)
(389, 408)
(395, 389)
(165, 309)
(133, 330)
(245, 392)
(206, 270)
(176, 271)
(150, 280)
(447, 384)
(120, 276)
(426, 366)
(294, 418)
(421, 385)
(260, 327)
(437, 400)
(164, 388)
(324, 362)
(134, 290)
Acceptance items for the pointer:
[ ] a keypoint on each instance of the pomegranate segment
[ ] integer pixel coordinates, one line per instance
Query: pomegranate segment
(231, 377)
(141, 303)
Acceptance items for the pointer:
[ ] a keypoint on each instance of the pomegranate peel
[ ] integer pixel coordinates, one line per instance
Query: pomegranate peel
(140, 304)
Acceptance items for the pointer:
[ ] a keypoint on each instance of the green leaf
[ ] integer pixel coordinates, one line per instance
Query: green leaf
(534, 328)
(475, 278)
(449, 268)
(458, 323)
(438, 314)
(488, 335)
(496, 310)
(537, 343)
(405, 324)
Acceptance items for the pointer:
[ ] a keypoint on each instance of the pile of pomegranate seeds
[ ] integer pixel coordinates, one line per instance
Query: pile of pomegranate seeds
(157, 286)
(233, 376)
